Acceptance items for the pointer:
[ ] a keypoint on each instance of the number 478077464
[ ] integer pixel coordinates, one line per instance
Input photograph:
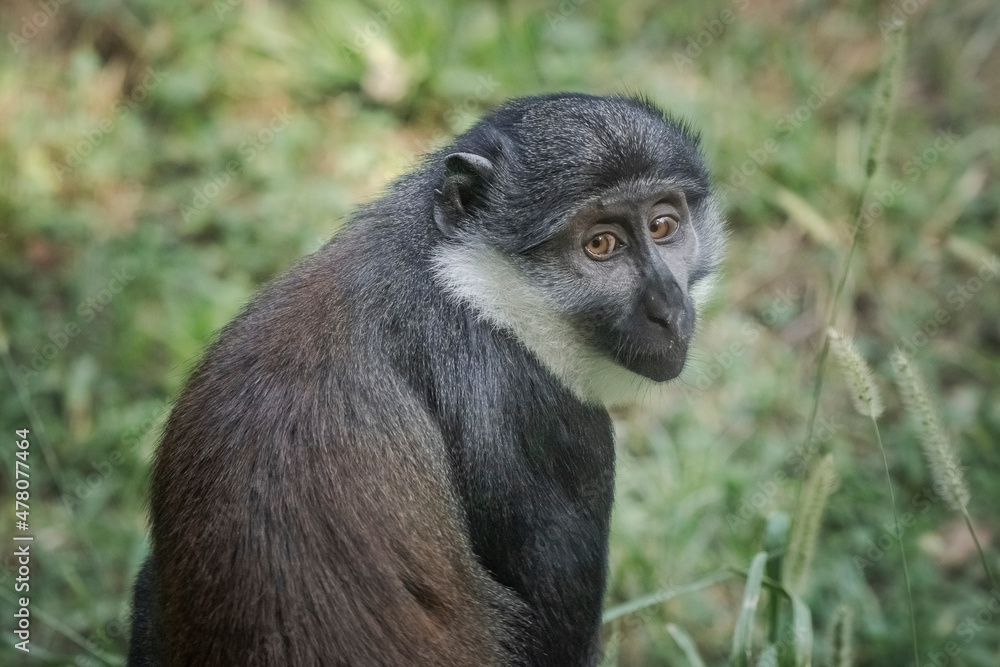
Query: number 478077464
(21, 477)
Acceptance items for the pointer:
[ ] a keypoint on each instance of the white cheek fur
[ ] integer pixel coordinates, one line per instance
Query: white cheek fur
(703, 290)
(503, 296)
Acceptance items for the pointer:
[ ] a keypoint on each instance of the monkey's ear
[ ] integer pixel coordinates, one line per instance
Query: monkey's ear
(462, 189)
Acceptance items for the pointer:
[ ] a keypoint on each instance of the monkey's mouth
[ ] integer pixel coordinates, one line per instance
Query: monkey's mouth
(660, 343)
(661, 364)
(652, 348)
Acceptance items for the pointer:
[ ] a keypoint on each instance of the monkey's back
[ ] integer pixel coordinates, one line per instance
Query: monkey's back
(302, 507)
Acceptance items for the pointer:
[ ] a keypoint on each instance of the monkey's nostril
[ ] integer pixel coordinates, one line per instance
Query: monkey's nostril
(660, 320)
(674, 320)
(659, 312)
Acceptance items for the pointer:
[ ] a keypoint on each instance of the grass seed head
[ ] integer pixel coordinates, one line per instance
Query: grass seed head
(864, 392)
(949, 480)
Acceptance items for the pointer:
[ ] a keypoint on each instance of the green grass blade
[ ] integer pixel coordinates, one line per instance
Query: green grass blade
(802, 632)
(775, 541)
(663, 595)
(795, 645)
(743, 634)
(686, 644)
(768, 657)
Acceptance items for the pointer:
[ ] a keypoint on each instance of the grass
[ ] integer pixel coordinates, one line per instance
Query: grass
(143, 200)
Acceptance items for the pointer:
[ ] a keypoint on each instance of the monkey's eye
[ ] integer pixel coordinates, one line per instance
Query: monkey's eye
(663, 227)
(601, 246)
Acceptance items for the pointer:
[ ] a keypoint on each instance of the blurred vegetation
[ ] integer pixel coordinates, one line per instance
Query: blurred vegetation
(158, 162)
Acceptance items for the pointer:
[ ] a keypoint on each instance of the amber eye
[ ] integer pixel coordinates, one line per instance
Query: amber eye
(663, 227)
(601, 246)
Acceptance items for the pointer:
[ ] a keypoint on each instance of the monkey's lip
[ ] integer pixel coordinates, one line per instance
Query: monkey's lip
(664, 362)
(645, 346)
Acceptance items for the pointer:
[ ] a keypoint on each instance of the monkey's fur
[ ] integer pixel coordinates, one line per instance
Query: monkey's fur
(398, 453)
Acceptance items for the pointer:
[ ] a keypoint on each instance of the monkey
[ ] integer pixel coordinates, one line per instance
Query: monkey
(400, 452)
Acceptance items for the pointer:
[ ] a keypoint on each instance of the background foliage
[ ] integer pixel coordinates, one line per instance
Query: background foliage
(159, 161)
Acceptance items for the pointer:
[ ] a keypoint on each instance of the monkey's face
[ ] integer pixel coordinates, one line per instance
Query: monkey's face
(620, 270)
(584, 226)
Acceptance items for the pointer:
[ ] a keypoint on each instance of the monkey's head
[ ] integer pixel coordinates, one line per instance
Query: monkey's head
(587, 227)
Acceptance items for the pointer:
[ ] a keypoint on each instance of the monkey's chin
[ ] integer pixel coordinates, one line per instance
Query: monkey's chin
(660, 367)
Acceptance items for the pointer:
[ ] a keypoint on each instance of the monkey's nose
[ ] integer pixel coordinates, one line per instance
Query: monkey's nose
(668, 312)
